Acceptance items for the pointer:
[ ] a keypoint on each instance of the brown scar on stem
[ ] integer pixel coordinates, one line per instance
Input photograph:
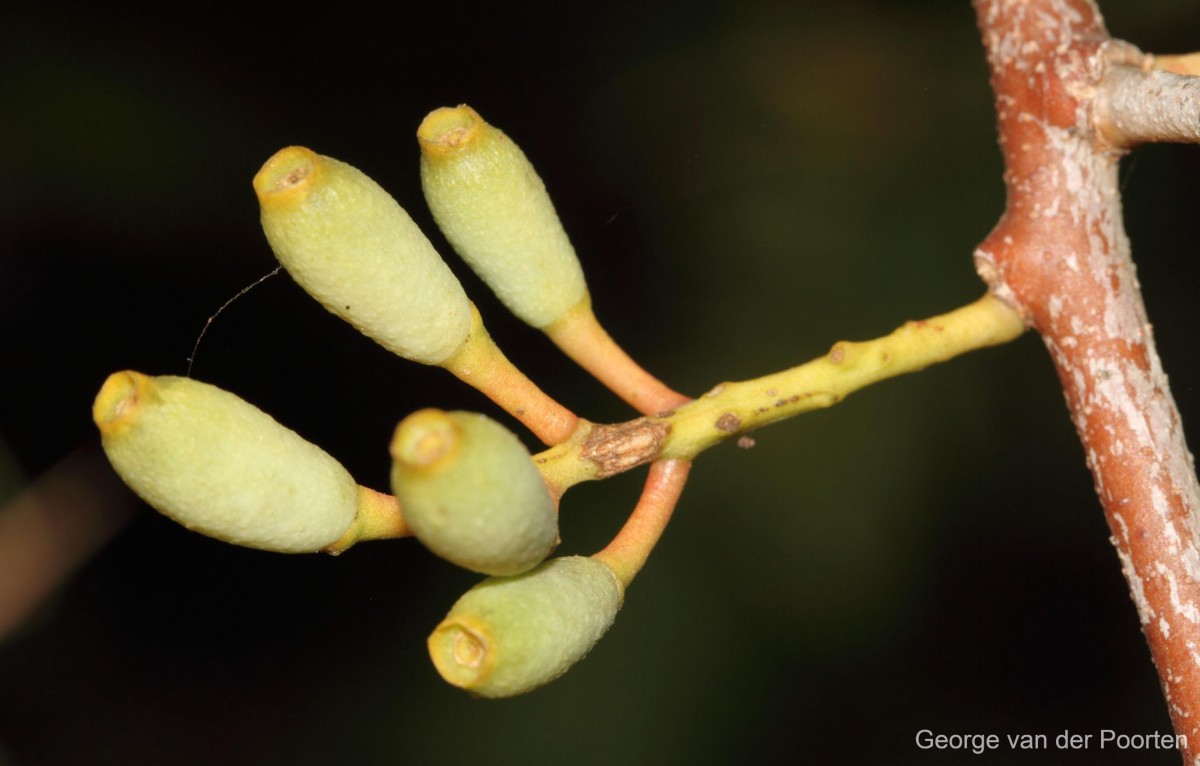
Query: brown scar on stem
(616, 448)
(745, 442)
(728, 423)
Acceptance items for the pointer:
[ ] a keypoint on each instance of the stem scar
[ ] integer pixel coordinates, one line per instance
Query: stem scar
(728, 423)
(616, 448)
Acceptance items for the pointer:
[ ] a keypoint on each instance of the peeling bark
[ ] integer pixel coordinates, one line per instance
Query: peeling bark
(1137, 105)
(1060, 256)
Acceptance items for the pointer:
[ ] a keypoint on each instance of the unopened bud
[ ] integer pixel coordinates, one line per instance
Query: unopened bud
(471, 493)
(510, 635)
(354, 249)
(493, 208)
(221, 466)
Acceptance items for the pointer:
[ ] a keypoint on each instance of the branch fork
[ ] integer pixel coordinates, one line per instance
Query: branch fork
(1070, 102)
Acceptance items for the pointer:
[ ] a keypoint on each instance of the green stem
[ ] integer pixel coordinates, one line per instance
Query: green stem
(629, 550)
(581, 337)
(480, 363)
(734, 408)
(378, 518)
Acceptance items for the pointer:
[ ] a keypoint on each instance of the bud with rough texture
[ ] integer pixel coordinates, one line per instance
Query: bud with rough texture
(493, 208)
(221, 466)
(510, 635)
(347, 242)
(471, 493)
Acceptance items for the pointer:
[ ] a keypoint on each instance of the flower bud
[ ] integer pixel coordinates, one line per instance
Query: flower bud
(221, 466)
(510, 635)
(493, 208)
(347, 242)
(471, 493)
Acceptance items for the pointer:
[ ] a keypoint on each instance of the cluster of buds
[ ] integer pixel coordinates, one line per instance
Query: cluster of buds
(462, 484)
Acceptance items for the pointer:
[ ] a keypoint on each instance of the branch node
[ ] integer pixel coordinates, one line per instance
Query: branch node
(617, 448)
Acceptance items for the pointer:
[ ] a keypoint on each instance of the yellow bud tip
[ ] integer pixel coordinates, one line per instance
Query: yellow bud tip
(426, 440)
(117, 404)
(449, 129)
(468, 649)
(459, 654)
(287, 176)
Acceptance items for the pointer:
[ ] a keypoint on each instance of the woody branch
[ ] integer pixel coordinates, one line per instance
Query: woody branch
(1070, 100)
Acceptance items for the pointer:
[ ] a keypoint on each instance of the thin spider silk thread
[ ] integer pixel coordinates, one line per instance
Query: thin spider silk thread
(192, 358)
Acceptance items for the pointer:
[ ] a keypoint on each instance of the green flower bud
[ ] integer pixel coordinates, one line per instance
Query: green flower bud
(510, 635)
(347, 242)
(221, 466)
(493, 208)
(471, 493)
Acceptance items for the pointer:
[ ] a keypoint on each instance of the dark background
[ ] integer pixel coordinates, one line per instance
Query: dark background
(746, 183)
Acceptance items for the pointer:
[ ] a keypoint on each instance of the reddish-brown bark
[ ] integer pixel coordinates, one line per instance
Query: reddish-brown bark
(1060, 256)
